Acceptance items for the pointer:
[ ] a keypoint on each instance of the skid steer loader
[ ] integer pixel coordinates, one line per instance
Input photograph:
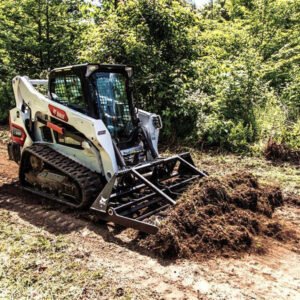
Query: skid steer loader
(83, 143)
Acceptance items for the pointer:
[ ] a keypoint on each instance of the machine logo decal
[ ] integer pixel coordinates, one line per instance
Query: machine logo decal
(59, 113)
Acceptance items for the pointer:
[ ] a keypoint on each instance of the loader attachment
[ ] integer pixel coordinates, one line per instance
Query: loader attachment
(137, 197)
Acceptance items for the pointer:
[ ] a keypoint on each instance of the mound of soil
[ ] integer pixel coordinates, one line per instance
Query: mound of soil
(281, 152)
(218, 215)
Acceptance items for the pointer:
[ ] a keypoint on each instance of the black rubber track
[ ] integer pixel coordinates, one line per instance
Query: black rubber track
(89, 182)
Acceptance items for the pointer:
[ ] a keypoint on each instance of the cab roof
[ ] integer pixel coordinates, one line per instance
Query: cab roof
(92, 67)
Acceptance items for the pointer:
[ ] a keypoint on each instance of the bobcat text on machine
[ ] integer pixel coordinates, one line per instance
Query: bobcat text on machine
(86, 145)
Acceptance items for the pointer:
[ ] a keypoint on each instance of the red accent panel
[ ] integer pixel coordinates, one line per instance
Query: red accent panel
(56, 128)
(19, 139)
(58, 113)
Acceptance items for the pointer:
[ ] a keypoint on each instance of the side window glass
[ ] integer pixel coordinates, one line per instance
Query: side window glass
(67, 90)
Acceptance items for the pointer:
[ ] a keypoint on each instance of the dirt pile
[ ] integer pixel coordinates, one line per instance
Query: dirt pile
(281, 152)
(218, 216)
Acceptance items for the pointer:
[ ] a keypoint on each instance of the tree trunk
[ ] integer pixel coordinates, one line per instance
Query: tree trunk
(48, 35)
(39, 23)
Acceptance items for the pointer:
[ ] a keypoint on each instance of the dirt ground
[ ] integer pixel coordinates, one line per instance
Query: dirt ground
(129, 271)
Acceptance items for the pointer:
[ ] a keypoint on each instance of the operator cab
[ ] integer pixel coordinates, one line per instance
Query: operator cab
(99, 91)
(103, 92)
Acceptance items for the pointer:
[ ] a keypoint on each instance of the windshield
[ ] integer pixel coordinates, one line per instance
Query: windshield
(112, 102)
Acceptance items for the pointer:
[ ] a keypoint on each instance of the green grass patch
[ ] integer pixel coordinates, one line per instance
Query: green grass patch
(37, 265)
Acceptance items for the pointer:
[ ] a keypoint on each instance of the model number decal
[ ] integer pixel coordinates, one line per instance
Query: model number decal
(101, 132)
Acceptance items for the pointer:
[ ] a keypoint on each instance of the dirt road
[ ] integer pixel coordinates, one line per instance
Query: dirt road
(134, 273)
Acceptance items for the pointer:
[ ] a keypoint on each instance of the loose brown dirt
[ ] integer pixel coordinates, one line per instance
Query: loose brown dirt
(220, 216)
(281, 152)
(136, 272)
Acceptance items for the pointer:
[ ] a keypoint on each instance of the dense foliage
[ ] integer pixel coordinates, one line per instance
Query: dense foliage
(224, 76)
(36, 35)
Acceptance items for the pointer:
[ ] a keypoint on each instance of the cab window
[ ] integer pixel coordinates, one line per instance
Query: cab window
(67, 90)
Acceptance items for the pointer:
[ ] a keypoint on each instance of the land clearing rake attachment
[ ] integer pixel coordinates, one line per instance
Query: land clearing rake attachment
(138, 196)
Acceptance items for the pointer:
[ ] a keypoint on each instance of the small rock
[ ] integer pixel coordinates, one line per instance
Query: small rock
(120, 292)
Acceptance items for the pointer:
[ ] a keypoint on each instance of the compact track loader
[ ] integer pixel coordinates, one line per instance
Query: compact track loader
(86, 145)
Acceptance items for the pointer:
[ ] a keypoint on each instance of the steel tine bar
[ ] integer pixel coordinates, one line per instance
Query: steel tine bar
(192, 167)
(133, 223)
(124, 206)
(183, 182)
(136, 201)
(131, 190)
(140, 206)
(151, 213)
(155, 188)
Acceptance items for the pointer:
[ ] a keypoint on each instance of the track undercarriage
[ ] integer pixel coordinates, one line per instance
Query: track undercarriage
(45, 172)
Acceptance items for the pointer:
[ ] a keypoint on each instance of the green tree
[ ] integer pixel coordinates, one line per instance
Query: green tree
(160, 39)
(35, 36)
